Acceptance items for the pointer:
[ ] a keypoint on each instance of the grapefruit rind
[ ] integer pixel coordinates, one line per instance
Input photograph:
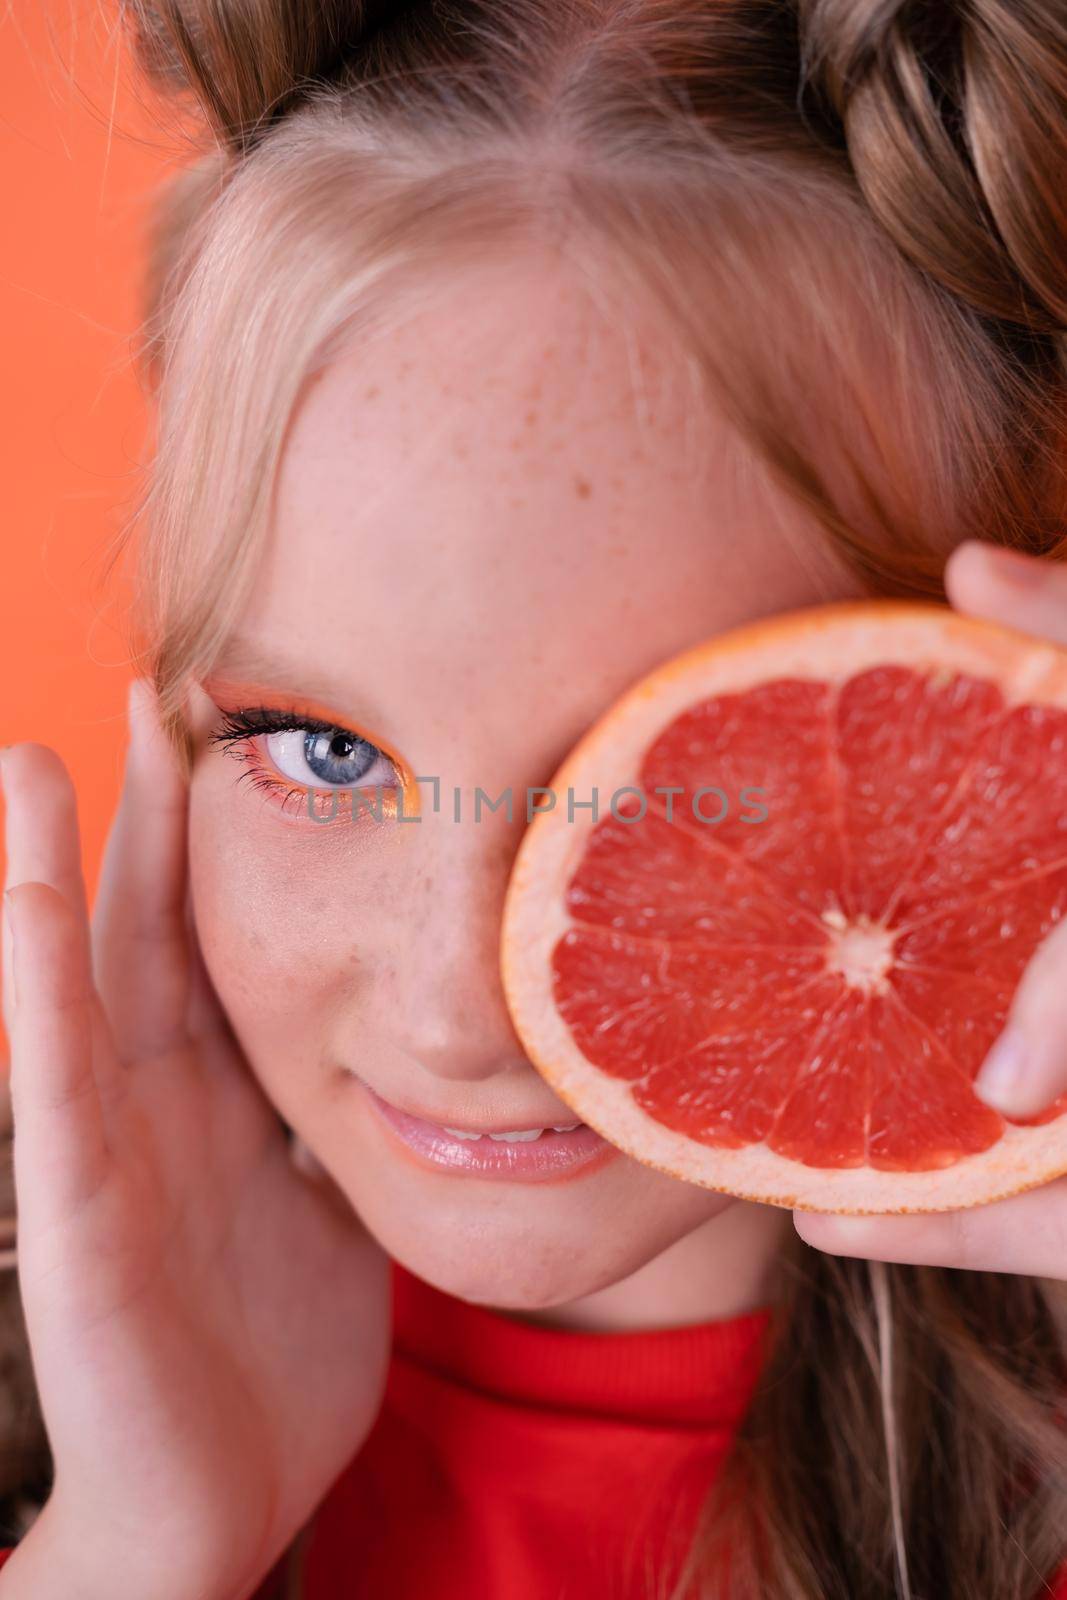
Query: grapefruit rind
(829, 643)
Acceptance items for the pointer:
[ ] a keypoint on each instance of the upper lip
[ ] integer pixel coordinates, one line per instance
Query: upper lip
(562, 1118)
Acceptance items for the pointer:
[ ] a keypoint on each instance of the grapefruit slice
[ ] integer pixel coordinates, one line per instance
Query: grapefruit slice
(786, 995)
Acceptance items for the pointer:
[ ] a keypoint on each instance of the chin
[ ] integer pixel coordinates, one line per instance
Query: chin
(501, 1285)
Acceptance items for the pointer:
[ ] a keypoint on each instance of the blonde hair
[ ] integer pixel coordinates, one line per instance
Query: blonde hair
(846, 211)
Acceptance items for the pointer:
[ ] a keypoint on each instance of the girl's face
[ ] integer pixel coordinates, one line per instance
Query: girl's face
(488, 523)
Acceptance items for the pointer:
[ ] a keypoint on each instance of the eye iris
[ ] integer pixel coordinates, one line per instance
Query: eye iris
(338, 758)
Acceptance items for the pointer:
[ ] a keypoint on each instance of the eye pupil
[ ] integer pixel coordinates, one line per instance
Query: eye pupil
(338, 758)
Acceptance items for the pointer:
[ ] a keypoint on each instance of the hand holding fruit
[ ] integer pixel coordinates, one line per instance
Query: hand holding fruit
(1027, 1068)
(209, 1325)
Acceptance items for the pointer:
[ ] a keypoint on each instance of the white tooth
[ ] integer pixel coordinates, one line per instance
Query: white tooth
(566, 1127)
(462, 1133)
(519, 1133)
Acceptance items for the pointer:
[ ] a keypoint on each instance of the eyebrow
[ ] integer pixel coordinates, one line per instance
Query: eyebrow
(242, 661)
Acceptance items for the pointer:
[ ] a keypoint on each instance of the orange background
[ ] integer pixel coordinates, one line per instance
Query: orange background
(80, 154)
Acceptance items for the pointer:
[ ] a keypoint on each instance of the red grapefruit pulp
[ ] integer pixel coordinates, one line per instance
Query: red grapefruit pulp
(792, 1006)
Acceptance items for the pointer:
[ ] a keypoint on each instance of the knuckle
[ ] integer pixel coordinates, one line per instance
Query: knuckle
(49, 1102)
(82, 1088)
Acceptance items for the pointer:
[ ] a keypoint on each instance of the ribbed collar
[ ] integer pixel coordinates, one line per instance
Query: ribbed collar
(699, 1374)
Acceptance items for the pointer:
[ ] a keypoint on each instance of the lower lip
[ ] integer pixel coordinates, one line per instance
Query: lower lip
(550, 1158)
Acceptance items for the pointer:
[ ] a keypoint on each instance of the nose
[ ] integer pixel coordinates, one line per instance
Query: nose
(450, 1011)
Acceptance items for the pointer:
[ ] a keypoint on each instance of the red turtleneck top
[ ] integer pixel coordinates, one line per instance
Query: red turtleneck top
(511, 1459)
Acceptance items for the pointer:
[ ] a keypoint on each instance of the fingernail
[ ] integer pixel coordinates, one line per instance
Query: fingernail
(1003, 1072)
(1016, 568)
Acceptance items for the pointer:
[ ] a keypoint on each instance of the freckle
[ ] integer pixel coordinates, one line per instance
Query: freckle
(582, 488)
(531, 418)
(371, 393)
(461, 449)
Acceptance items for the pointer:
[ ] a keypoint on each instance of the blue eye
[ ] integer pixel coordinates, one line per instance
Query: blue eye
(304, 751)
(326, 760)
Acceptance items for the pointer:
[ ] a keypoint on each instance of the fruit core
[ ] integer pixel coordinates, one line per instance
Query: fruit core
(861, 950)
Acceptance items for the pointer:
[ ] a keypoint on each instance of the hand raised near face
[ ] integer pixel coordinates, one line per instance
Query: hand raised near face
(209, 1324)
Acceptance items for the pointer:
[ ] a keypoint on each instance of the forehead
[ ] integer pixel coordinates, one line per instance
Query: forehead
(510, 423)
(519, 479)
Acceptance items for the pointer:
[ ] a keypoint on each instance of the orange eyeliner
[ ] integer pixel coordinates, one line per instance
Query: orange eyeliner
(234, 694)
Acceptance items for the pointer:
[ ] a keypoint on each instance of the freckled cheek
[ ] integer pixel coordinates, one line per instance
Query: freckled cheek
(291, 929)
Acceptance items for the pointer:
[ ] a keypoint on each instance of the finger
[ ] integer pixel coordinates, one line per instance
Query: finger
(206, 1017)
(5, 1098)
(61, 1150)
(218, 1052)
(42, 836)
(1027, 1067)
(1026, 1233)
(1021, 591)
(7, 996)
(43, 843)
(140, 951)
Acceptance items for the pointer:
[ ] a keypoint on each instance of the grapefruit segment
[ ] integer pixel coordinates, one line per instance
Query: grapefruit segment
(722, 744)
(925, 1117)
(774, 967)
(922, 728)
(1007, 822)
(661, 880)
(744, 1077)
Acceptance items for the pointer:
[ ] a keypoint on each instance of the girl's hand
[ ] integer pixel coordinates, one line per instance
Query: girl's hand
(209, 1324)
(1027, 1067)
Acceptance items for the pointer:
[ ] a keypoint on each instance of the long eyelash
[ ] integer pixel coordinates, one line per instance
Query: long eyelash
(237, 728)
(248, 721)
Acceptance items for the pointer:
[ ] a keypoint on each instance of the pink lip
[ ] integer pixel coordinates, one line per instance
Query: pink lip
(550, 1158)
